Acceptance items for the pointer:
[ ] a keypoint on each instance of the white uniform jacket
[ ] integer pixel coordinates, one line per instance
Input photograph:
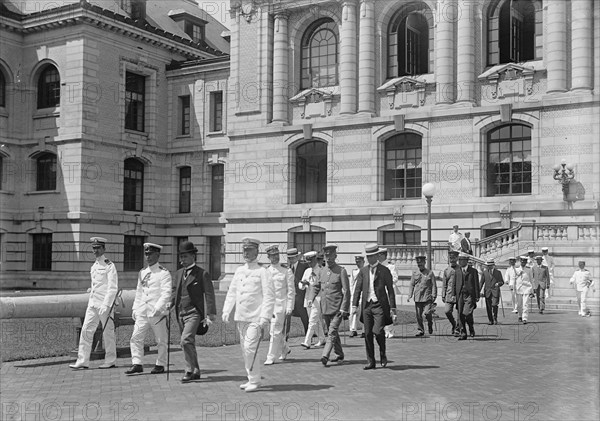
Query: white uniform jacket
(523, 282)
(252, 293)
(105, 283)
(510, 276)
(283, 284)
(153, 291)
(582, 279)
(312, 280)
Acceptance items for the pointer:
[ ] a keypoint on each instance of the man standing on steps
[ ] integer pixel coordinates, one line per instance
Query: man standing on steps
(549, 262)
(297, 268)
(466, 289)
(541, 281)
(100, 309)
(454, 241)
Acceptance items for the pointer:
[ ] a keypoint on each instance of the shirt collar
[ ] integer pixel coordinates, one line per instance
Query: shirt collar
(101, 259)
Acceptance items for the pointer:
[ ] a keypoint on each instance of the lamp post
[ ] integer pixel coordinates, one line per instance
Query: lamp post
(428, 191)
(563, 173)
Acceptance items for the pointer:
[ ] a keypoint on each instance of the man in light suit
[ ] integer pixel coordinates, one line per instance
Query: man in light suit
(335, 303)
(297, 267)
(509, 278)
(252, 294)
(149, 310)
(100, 309)
(283, 285)
(466, 290)
(375, 286)
(490, 283)
(541, 281)
(523, 289)
(192, 285)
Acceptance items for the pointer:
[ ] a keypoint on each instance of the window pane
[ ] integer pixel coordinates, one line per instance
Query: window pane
(42, 252)
(217, 187)
(311, 172)
(133, 253)
(133, 185)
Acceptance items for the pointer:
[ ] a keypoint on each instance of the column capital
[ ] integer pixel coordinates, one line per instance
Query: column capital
(345, 3)
(282, 14)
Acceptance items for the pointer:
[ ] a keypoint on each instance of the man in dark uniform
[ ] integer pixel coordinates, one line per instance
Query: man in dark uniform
(466, 289)
(191, 286)
(490, 284)
(297, 268)
(424, 288)
(448, 295)
(374, 282)
(335, 303)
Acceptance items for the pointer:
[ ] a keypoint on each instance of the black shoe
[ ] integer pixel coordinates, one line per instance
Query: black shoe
(324, 360)
(541, 311)
(491, 322)
(384, 361)
(455, 332)
(462, 338)
(430, 329)
(337, 359)
(520, 319)
(158, 369)
(136, 368)
(353, 334)
(495, 321)
(472, 334)
(419, 333)
(190, 376)
(362, 335)
(524, 322)
(369, 367)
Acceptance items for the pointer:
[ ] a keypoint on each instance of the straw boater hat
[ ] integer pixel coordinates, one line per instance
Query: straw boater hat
(371, 249)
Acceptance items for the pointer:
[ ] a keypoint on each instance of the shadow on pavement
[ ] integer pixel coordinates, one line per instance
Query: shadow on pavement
(410, 367)
(294, 387)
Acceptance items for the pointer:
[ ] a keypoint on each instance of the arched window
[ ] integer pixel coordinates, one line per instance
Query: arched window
(311, 172)
(48, 94)
(46, 172)
(2, 89)
(513, 30)
(509, 160)
(133, 185)
(320, 55)
(408, 42)
(1, 172)
(403, 166)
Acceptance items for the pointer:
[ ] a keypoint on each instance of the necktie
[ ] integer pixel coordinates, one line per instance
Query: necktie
(293, 269)
(373, 270)
(187, 273)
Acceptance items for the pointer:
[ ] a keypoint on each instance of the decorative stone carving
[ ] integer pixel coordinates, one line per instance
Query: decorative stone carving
(314, 102)
(509, 80)
(404, 92)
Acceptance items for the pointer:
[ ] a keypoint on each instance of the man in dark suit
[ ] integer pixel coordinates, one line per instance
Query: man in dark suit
(335, 302)
(466, 290)
(490, 283)
(191, 286)
(540, 281)
(465, 244)
(297, 268)
(374, 282)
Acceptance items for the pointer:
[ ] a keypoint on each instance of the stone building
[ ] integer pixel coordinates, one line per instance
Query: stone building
(104, 132)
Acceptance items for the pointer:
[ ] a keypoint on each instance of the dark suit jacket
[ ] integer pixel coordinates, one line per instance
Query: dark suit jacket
(541, 277)
(199, 287)
(487, 283)
(465, 246)
(466, 289)
(334, 283)
(299, 298)
(384, 290)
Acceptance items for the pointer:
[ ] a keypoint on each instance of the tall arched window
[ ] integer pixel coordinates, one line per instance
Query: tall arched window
(2, 89)
(320, 55)
(509, 160)
(48, 94)
(133, 185)
(408, 42)
(311, 172)
(46, 172)
(514, 31)
(403, 166)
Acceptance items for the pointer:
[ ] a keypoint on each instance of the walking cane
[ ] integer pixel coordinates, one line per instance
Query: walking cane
(283, 338)
(502, 304)
(118, 295)
(168, 341)
(257, 345)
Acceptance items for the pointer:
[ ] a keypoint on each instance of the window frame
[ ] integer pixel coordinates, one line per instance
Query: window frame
(331, 58)
(41, 256)
(408, 141)
(46, 166)
(131, 263)
(136, 184)
(513, 33)
(403, 234)
(217, 188)
(311, 166)
(216, 111)
(48, 91)
(2, 89)
(185, 189)
(402, 60)
(135, 102)
(185, 115)
(312, 245)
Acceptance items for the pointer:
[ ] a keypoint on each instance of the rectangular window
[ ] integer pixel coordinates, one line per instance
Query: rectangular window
(133, 186)
(135, 90)
(216, 111)
(46, 172)
(185, 189)
(215, 257)
(184, 113)
(178, 241)
(42, 252)
(308, 241)
(403, 173)
(195, 31)
(393, 238)
(133, 253)
(509, 161)
(218, 186)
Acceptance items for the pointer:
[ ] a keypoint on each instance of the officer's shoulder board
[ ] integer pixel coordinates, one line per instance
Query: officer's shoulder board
(108, 262)
(284, 265)
(162, 267)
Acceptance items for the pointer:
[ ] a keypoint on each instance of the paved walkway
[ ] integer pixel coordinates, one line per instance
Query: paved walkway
(546, 370)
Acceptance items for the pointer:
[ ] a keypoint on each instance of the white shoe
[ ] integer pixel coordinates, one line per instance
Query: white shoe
(245, 385)
(78, 366)
(107, 365)
(319, 344)
(515, 311)
(269, 362)
(390, 334)
(252, 387)
(285, 353)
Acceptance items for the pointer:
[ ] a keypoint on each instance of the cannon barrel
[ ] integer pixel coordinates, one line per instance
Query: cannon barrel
(55, 306)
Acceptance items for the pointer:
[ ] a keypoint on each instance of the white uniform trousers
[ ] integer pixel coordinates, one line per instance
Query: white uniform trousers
(513, 294)
(523, 305)
(90, 324)
(142, 324)
(315, 322)
(582, 301)
(355, 317)
(276, 345)
(250, 335)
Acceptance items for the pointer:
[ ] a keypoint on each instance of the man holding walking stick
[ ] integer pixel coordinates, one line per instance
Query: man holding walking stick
(252, 294)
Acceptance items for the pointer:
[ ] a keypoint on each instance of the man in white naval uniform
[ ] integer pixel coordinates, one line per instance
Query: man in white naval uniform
(100, 309)
(510, 277)
(149, 310)
(382, 257)
(251, 292)
(285, 291)
(524, 289)
(311, 302)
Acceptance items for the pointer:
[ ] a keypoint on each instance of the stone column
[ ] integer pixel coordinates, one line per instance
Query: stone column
(348, 73)
(366, 58)
(280, 69)
(444, 51)
(582, 32)
(556, 46)
(465, 53)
